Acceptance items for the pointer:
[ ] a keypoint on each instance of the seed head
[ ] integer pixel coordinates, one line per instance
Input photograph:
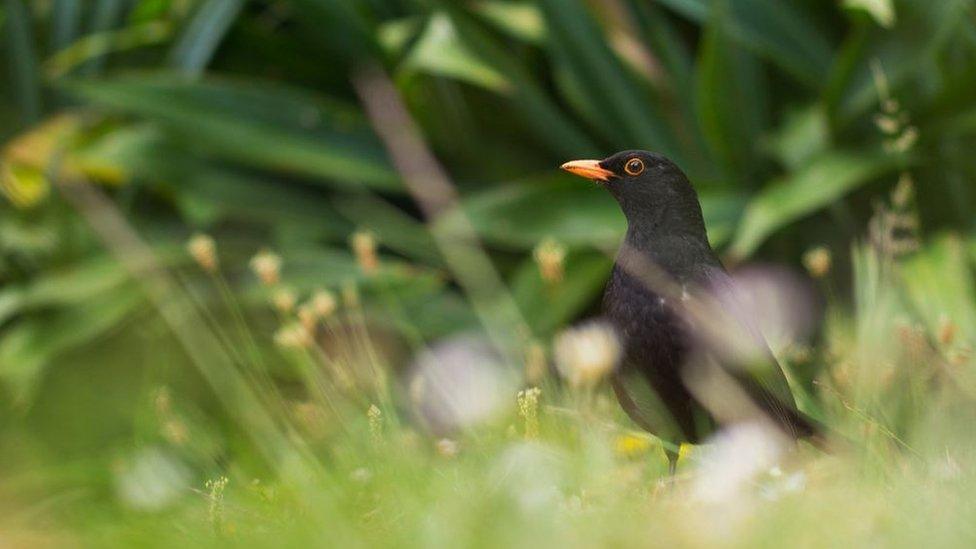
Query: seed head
(887, 124)
(175, 432)
(584, 355)
(324, 303)
(447, 448)
(528, 410)
(284, 300)
(363, 245)
(293, 336)
(215, 488)
(267, 266)
(817, 261)
(905, 141)
(203, 250)
(904, 192)
(947, 330)
(375, 416)
(959, 355)
(550, 256)
(307, 317)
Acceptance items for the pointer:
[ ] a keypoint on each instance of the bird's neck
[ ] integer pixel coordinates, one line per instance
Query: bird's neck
(683, 222)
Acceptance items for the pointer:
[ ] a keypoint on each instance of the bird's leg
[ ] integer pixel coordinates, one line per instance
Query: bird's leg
(672, 461)
(665, 485)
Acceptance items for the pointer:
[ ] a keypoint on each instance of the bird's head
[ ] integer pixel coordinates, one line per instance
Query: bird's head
(650, 188)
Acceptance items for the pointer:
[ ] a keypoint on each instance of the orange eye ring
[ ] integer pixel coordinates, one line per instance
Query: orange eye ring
(634, 166)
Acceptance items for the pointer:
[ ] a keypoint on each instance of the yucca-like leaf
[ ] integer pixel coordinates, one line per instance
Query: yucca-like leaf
(260, 125)
(824, 180)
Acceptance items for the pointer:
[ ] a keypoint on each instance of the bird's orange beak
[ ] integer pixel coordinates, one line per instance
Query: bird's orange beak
(589, 169)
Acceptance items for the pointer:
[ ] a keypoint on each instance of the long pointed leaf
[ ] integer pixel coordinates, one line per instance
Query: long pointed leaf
(258, 125)
(23, 61)
(196, 46)
(627, 107)
(824, 180)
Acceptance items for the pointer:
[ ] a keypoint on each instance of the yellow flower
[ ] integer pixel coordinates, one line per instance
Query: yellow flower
(629, 446)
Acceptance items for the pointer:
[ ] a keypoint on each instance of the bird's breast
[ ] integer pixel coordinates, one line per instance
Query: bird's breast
(649, 325)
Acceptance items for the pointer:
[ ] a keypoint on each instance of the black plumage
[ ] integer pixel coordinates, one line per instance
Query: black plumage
(676, 311)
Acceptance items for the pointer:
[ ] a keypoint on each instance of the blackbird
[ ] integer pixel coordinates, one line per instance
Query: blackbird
(692, 358)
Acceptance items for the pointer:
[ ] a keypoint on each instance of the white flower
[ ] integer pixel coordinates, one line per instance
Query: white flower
(585, 354)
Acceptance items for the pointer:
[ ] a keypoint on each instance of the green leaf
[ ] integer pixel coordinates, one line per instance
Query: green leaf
(696, 10)
(576, 213)
(779, 30)
(393, 227)
(546, 307)
(520, 19)
(105, 16)
(24, 67)
(824, 180)
(394, 36)
(548, 123)
(255, 124)
(732, 119)
(29, 346)
(657, 29)
(439, 51)
(628, 111)
(883, 11)
(803, 134)
(911, 48)
(939, 283)
(65, 23)
(521, 215)
(197, 43)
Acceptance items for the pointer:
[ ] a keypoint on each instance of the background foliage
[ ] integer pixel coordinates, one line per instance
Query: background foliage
(795, 119)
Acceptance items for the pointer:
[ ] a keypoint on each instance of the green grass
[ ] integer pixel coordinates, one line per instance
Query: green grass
(348, 457)
(131, 381)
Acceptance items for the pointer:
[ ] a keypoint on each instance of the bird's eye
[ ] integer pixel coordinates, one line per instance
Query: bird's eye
(634, 166)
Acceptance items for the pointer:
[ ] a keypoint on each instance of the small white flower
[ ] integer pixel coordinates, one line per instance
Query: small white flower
(585, 354)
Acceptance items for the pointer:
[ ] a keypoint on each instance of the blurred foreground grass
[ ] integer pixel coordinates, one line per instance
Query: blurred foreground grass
(311, 436)
(155, 393)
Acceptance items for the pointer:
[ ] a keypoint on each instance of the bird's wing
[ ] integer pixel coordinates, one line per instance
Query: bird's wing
(742, 352)
(644, 404)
